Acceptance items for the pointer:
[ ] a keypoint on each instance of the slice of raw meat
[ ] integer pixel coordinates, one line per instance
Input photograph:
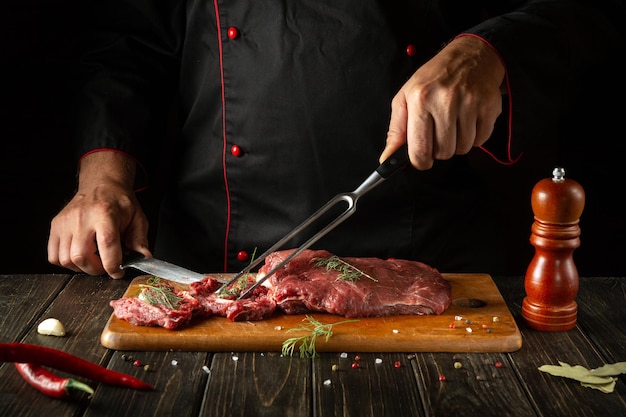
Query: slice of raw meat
(158, 305)
(257, 306)
(400, 286)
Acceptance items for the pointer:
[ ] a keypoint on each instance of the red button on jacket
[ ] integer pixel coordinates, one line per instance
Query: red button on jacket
(235, 150)
(233, 32)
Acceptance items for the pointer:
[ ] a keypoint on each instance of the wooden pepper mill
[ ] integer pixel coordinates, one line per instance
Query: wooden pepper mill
(551, 280)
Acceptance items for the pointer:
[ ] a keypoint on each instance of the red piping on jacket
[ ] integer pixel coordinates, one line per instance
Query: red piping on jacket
(510, 160)
(228, 207)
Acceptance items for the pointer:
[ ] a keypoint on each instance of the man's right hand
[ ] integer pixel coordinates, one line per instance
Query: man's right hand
(87, 235)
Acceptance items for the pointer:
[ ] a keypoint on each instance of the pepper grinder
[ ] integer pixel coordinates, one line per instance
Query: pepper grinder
(551, 280)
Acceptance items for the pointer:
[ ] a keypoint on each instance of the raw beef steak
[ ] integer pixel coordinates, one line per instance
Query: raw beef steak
(169, 308)
(257, 306)
(314, 281)
(383, 288)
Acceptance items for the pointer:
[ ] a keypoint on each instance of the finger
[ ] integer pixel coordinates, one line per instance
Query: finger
(396, 135)
(420, 133)
(83, 254)
(110, 251)
(465, 133)
(136, 236)
(59, 254)
(483, 132)
(53, 249)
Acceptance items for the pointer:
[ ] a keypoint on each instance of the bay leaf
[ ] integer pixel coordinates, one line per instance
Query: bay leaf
(578, 373)
(611, 369)
(606, 388)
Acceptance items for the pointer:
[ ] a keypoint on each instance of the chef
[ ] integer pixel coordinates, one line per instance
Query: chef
(280, 105)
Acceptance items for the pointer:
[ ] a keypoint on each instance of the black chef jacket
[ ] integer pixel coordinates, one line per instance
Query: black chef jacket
(283, 104)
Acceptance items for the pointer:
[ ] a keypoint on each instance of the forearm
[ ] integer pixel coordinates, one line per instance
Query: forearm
(106, 167)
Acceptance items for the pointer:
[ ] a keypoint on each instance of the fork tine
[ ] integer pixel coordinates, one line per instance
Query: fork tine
(348, 197)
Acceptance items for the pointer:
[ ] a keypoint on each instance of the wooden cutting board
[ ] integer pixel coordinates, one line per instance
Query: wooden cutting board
(477, 321)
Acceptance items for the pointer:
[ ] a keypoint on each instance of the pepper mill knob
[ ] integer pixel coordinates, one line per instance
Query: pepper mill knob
(551, 280)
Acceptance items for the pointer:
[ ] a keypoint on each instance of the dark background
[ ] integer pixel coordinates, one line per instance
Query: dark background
(37, 167)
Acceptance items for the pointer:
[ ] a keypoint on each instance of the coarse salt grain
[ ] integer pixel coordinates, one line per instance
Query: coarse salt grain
(395, 331)
(378, 361)
(458, 318)
(206, 369)
(327, 382)
(174, 362)
(235, 358)
(343, 355)
(278, 328)
(468, 329)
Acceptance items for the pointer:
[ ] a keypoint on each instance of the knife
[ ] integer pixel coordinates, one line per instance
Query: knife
(161, 269)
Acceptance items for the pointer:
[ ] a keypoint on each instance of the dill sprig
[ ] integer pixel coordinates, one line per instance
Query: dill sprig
(348, 272)
(307, 342)
(156, 293)
(238, 286)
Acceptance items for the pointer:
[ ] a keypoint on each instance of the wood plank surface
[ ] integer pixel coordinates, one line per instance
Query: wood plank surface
(476, 300)
(18, 312)
(562, 396)
(601, 320)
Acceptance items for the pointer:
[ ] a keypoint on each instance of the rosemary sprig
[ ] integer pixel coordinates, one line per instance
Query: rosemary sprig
(348, 272)
(155, 293)
(238, 286)
(307, 342)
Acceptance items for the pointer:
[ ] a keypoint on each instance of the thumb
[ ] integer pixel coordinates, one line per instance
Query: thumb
(136, 237)
(397, 133)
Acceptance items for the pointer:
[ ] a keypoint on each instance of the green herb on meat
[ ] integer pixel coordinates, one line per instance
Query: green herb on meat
(155, 293)
(348, 272)
(315, 328)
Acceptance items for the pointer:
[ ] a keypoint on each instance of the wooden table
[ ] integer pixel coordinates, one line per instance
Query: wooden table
(266, 384)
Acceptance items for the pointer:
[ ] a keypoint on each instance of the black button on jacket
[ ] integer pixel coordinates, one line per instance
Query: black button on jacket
(280, 105)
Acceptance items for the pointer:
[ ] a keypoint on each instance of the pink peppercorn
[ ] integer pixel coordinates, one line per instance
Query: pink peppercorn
(442, 378)
(355, 365)
(498, 364)
(397, 364)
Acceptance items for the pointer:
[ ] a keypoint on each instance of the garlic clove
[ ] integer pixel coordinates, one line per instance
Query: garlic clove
(51, 327)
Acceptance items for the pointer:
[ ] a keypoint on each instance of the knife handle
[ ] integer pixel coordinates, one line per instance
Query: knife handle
(399, 159)
(129, 256)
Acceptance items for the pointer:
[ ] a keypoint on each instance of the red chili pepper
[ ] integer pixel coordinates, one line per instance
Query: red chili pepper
(57, 359)
(49, 383)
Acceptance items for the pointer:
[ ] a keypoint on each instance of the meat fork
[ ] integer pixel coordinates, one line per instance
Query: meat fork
(391, 165)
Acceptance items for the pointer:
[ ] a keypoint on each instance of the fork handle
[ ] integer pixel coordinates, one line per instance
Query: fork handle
(399, 159)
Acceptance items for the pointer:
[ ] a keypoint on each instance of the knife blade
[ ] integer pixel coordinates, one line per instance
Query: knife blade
(161, 269)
